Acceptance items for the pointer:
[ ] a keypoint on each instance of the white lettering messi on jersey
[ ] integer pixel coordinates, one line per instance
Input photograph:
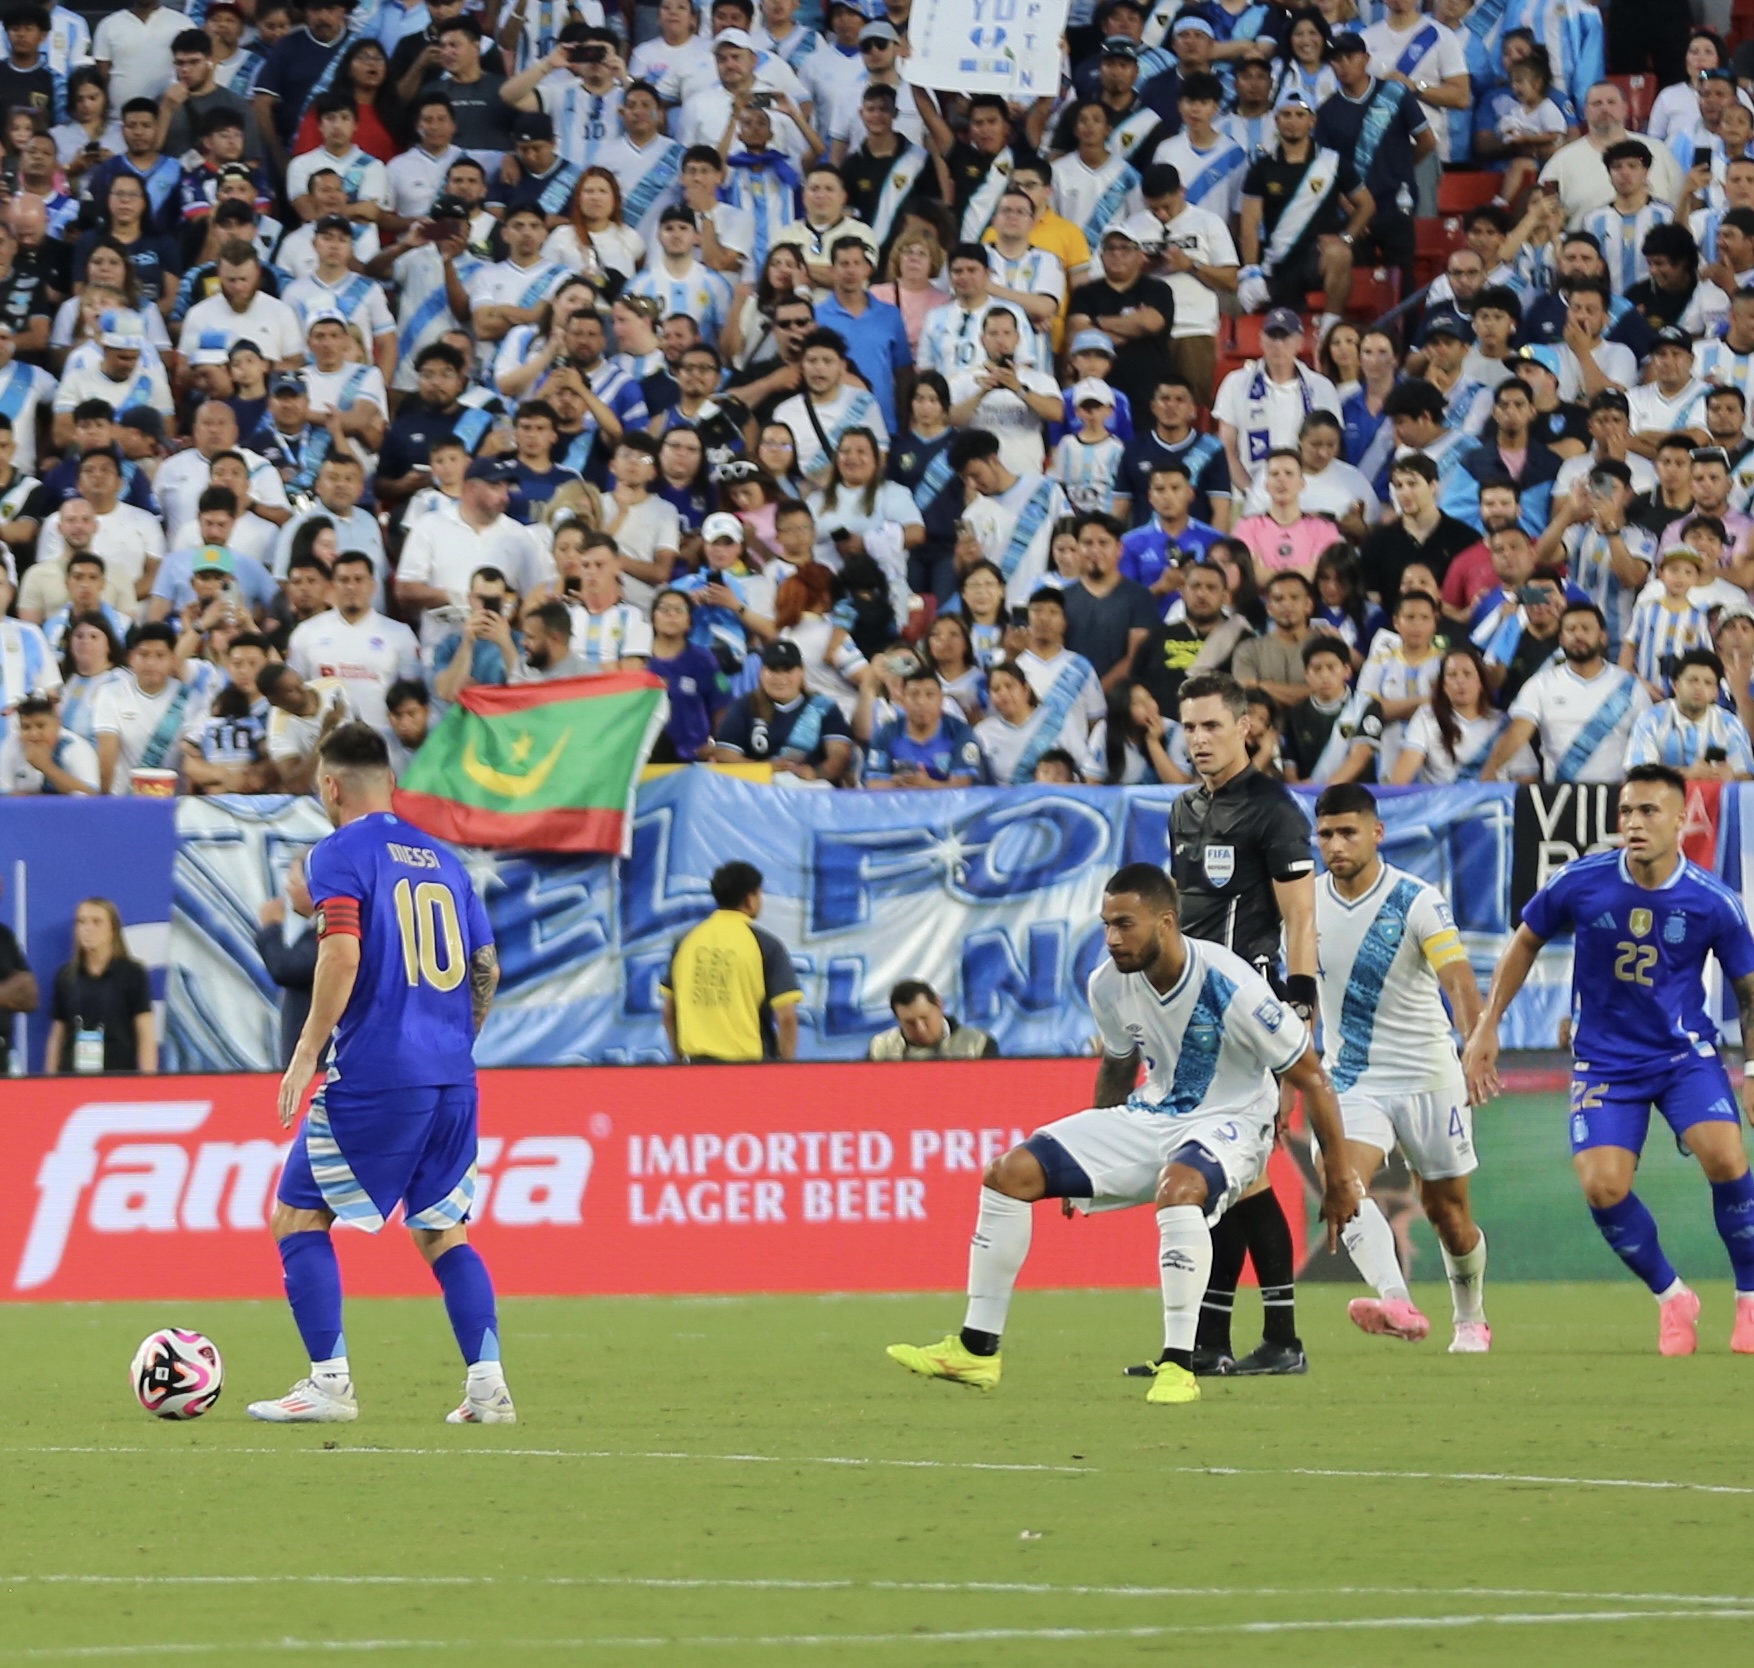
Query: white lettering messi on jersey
(1384, 1024)
(1211, 1046)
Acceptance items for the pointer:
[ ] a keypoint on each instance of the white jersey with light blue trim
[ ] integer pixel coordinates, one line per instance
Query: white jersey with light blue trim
(1385, 1029)
(1214, 1045)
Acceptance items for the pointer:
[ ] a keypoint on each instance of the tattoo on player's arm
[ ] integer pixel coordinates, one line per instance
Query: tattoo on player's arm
(1745, 1006)
(483, 981)
(1115, 1079)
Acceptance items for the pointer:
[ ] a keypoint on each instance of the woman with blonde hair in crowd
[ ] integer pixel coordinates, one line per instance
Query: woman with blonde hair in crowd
(596, 242)
(102, 1008)
(911, 281)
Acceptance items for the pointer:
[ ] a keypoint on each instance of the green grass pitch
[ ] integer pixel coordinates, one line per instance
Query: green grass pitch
(751, 1481)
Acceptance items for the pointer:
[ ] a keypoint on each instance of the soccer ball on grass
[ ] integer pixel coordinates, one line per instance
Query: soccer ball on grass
(177, 1374)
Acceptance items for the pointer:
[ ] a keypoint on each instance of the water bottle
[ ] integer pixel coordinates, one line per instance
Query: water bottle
(1404, 200)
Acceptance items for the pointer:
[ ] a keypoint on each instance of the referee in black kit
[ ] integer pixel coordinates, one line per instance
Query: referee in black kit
(1240, 852)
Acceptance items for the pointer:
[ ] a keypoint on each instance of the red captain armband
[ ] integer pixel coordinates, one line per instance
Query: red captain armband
(338, 917)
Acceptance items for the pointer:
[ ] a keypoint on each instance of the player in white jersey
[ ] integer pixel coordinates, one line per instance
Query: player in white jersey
(1192, 1137)
(1390, 955)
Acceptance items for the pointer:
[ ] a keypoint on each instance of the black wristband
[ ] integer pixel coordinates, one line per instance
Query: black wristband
(1301, 992)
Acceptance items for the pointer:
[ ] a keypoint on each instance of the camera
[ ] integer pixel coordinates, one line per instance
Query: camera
(571, 586)
(489, 605)
(588, 52)
(761, 101)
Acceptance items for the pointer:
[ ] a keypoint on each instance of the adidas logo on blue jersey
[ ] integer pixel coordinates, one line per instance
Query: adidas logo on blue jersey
(1604, 922)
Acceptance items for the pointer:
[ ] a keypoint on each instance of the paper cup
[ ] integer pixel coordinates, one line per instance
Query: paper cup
(154, 784)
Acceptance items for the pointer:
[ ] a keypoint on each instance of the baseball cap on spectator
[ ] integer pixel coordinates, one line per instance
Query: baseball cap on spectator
(325, 315)
(491, 469)
(447, 207)
(1193, 22)
(1294, 95)
(211, 348)
(286, 382)
(1093, 391)
(721, 525)
(1672, 335)
(1735, 611)
(1093, 341)
(733, 37)
(1118, 46)
(1449, 324)
(1348, 40)
(1120, 229)
(1545, 357)
(124, 331)
(533, 124)
(243, 344)
(214, 558)
(333, 223)
(782, 656)
(1610, 399)
(1282, 321)
(237, 171)
(143, 419)
(880, 30)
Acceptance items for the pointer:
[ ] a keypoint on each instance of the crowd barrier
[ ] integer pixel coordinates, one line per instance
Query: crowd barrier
(993, 895)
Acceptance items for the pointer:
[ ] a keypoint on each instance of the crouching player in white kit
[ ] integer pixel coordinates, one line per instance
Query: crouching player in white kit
(1389, 955)
(1193, 1137)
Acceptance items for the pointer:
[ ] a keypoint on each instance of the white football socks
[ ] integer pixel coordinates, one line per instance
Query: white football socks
(995, 1257)
(332, 1375)
(1467, 1281)
(1370, 1242)
(485, 1379)
(1184, 1261)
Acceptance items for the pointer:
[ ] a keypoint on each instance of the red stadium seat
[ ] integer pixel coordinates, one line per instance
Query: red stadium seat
(1640, 92)
(1245, 336)
(1375, 289)
(1434, 241)
(1465, 189)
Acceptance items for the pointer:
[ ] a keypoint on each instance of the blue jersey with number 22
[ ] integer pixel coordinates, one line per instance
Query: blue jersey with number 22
(1637, 986)
(409, 1022)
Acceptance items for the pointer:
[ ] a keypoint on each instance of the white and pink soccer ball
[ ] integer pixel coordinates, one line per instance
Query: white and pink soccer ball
(177, 1374)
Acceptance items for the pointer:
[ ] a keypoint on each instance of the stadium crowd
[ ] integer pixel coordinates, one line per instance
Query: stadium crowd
(1397, 361)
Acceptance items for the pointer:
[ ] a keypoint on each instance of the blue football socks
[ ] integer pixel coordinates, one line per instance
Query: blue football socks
(1632, 1232)
(313, 1288)
(468, 1289)
(1732, 1203)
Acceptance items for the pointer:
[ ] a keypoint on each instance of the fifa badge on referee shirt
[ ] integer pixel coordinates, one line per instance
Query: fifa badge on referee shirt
(1221, 865)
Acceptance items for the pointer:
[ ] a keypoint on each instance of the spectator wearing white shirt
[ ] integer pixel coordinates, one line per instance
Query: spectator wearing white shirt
(416, 177)
(1331, 486)
(340, 485)
(133, 49)
(184, 476)
(445, 548)
(119, 378)
(335, 287)
(1579, 171)
(355, 643)
(678, 51)
(335, 384)
(138, 718)
(1197, 259)
(130, 541)
(1427, 59)
(241, 311)
(363, 180)
(609, 635)
(1589, 364)
(39, 757)
(302, 713)
(1005, 400)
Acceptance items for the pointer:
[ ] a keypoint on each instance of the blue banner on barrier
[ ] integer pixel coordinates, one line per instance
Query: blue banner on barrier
(993, 895)
(53, 853)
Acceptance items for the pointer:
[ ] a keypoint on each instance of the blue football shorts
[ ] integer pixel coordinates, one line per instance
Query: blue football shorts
(1692, 1090)
(360, 1154)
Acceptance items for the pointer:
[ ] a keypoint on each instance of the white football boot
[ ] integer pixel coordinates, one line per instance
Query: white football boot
(310, 1403)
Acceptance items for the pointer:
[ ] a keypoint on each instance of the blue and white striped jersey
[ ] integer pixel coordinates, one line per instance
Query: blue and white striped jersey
(1385, 1028)
(1666, 735)
(1659, 636)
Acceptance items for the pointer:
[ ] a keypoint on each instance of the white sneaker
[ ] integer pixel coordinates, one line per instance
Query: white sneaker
(494, 1409)
(309, 1403)
(1472, 1338)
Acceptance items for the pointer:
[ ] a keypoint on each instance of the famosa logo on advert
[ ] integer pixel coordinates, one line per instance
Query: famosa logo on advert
(127, 1167)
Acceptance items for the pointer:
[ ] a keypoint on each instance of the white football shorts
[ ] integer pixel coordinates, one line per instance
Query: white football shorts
(1435, 1131)
(1123, 1151)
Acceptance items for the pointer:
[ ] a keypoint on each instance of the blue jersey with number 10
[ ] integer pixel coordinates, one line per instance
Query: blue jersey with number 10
(1637, 986)
(409, 1022)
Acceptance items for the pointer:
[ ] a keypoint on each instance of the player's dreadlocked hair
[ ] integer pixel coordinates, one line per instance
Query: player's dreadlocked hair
(354, 746)
(1155, 889)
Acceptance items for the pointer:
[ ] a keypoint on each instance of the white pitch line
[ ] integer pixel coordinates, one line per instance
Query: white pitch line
(966, 1636)
(854, 1461)
(791, 1584)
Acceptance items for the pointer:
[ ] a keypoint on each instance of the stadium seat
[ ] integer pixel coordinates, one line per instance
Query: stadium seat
(1434, 240)
(1641, 93)
(1245, 336)
(1466, 188)
(1375, 289)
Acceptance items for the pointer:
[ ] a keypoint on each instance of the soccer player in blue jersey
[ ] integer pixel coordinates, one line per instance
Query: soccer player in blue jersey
(1643, 920)
(406, 971)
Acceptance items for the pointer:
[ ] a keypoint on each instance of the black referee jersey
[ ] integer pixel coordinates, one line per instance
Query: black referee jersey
(1226, 850)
